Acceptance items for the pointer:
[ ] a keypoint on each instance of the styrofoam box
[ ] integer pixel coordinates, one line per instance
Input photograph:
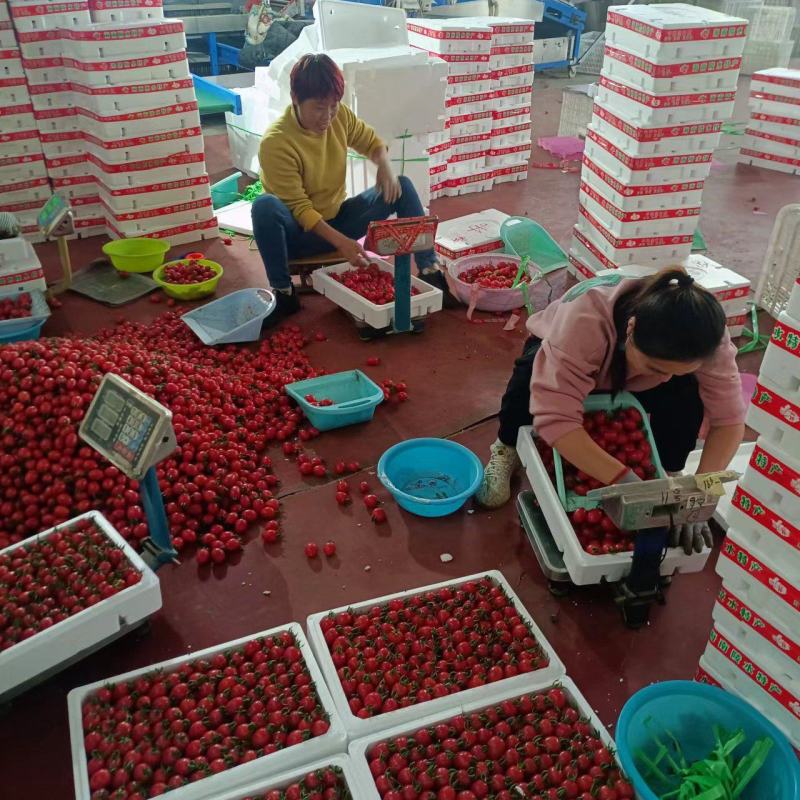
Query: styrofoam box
(463, 63)
(675, 32)
(647, 170)
(733, 680)
(591, 260)
(517, 97)
(11, 64)
(643, 250)
(782, 364)
(56, 145)
(583, 568)
(578, 267)
(512, 76)
(685, 194)
(56, 98)
(460, 85)
(640, 141)
(31, 18)
(20, 268)
(14, 92)
(34, 189)
(426, 302)
(356, 726)
(506, 57)
(777, 126)
(17, 118)
(510, 117)
(260, 787)
(451, 36)
(553, 49)
(775, 413)
(459, 105)
(60, 120)
(470, 184)
(510, 136)
(509, 156)
(646, 108)
(777, 645)
(137, 97)
(771, 143)
(19, 143)
(156, 195)
(74, 166)
(759, 158)
(70, 188)
(467, 164)
(730, 288)
(169, 67)
(360, 747)
(772, 104)
(136, 173)
(114, 41)
(710, 75)
(517, 172)
(7, 38)
(470, 235)
(793, 309)
(159, 145)
(780, 486)
(143, 123)
(778, 80)
(179, 234)
(142, 221)
(15, 168)
(40, 44)
(638, 224)
(111, 13)
(330, 743)
(469, 124)
(466, 145)
(86, 629)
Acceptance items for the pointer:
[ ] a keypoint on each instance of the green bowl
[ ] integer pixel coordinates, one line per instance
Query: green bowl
(136, 255)
(189, 291)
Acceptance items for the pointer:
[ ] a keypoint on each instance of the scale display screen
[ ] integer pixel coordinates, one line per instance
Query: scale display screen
(126, 426)
(53, 213)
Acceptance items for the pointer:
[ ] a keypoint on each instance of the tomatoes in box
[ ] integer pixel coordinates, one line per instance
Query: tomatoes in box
(321, 784)
(371, 282)
(498, 275)
(16, 307)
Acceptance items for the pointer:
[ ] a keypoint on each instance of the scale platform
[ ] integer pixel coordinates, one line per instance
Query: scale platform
(542, 543)
(102, 283)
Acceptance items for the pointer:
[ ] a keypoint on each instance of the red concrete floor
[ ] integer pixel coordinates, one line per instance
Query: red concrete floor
(456, 372)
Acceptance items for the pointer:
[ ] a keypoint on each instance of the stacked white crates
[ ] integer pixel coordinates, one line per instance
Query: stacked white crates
(487, 135)
(754, 646)
(772, 137)
(667, 85)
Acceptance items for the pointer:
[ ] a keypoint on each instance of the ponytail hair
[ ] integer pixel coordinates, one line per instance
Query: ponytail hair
(676, 320)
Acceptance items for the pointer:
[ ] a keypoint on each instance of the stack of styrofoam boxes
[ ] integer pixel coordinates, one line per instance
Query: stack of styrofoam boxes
(770, 34)
(512, 70)
(140, 127)
(471, 235)
(754, 646)
(465, 45)
(125, 10)
(668, 83)
(772, 138)
(23, 176)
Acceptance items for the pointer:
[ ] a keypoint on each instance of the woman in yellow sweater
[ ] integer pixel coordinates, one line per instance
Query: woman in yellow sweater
(303, 160)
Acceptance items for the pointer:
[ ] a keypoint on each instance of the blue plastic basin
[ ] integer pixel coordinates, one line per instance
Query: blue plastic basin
(430, 477)
(689, 711)
(355, 398)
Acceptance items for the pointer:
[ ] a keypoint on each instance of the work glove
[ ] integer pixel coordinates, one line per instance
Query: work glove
(691, 536)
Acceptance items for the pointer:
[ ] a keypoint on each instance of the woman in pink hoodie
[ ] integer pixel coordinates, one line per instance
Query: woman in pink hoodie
(663, 339)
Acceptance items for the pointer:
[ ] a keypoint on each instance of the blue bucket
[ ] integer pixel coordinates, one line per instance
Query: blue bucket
(355, 398)
(430, 477)
(689, 711)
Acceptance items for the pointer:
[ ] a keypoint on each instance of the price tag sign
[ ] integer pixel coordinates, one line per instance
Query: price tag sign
(55, 218)
(394, 237)
(133, 431)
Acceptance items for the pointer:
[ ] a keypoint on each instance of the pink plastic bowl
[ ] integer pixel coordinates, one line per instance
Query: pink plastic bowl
(488, 299)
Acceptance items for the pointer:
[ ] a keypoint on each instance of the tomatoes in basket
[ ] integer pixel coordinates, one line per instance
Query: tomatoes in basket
(497, 275)
(188, 272)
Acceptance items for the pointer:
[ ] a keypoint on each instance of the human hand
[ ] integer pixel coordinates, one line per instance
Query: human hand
(691, 536)
(629, 477)
(387, 183)
(353, 252)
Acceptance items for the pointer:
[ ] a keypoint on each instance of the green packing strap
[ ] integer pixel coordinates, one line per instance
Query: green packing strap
(757, 341)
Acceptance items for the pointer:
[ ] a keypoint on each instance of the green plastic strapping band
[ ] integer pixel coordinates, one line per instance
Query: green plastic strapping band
(758, 341)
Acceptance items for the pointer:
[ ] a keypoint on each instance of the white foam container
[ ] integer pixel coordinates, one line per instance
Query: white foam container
(511, 117)
(585, 569)
(708, 75)
(70, 188)
(460, 105)
(775, 125)
(775, 145)
(578, 266)
(17, 169)
(160, 145)
(57, 145)
(637, 224)
(470, 235)
(586, 261)
(466, 164)
(511, 135)
(772, 104)
(450, 36)
(778, 646)
(760, 158)
(359, 748)
(169, 67)
(521, 75)
(505, 57)
(34, 189)
(448, 704)
(778, 80)
(41, 44)
(259, 787)
(155, 195)
(125, 10)
(116, 41)
(20, 268)
(112, 100)
(728, 677)
(14, 92)
(780, 365)
(510, 155)
(675, 32)
(143, 123)
(58, 120)
(782, 468)
(11, 64)
(783, 427)
(469, 124)
(330, 743)
(71, 639)
(645, 251)
(515, 97)
(793, 309)
(17, 118)
(730, 288)
(187, 233)
(464, 145)
(649, 109)
(7, 38)
(19, 143)
(156, 170)
(638, 141)
(35, 17)
(428, 301)
(143, 221)
(517, 172)
(460, 85)
(71, 166)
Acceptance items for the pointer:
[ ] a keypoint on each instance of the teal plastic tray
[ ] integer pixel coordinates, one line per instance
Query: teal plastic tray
(355, 398)
(603, 402)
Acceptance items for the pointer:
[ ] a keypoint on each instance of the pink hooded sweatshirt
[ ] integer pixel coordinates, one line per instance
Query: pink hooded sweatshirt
(578, 342)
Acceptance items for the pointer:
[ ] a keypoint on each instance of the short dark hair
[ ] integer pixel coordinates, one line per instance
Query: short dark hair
(676, 320)
(316, 76)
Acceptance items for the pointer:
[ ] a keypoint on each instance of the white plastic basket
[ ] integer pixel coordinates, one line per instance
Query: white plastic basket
(359, 748)
(448, 705)
(576, 110)
(764, 54)
(781, 269)
(67, 641)
(590, 57)
(330, 743)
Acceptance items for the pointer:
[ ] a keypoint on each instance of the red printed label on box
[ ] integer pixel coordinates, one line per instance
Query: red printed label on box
(606, 262)
(177, 230)
(754, 620)
(630, 244)
(31, 37)
(673, 70)
(138, 88)
(28, 158)
(504, 151)
(773, 138)
(18, 136)
(760, 513)
(438, 148)
(787, 338)
(732, 294)
(706, 33)
(152, 163)
(477, 156)
(505, 113)
(779, 407)
(22, 277)
(639, 216)
(72, 180)
(775, 470)
(762, 573)
(130, 63)
(54, 113)
(775, 98)
(640, 191)
(774, 689)
(12, 55)
(512, 92)
(24, 206)
(524, 69)
(778, 80)
(644, 163)
(514, 169)
(468, 179)
(433, 33)
(50, 88)
(42, 9)
(461, 100)
(469, 77)
(184, 183)
(657, 134)
(437, 169)
(460, 58)
(792, 162)
(512, 49)
(138, 141)
(66, 161)
(523, 126)
(149, 213)
(582, 268)
(61, 136)
(475, 137)
(10, 111)
(701, 676)
(462, 118)
(11, 83)
(143, 30)
(22, 185)
(666, 100)
(150, 113)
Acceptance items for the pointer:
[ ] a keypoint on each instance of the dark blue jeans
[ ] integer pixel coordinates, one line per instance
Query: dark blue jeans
(280, 238)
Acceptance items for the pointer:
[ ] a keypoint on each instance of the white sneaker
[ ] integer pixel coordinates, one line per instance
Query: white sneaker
(495, 489)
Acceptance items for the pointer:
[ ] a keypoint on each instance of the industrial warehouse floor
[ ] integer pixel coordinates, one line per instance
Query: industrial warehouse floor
(456, 372)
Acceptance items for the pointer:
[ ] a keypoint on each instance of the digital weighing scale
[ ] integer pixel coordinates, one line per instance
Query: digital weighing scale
(55, 221)
(400, 238)
(134, 432)
(651, 508)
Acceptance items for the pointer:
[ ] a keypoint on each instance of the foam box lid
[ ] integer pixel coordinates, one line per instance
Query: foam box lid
(669, 16)
(783, 76)
(713, 276)
(473, 25)
(473, 233)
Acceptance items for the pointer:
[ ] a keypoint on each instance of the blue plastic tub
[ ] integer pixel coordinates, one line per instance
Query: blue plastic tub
(689, 710)
(236, 317)
(355, 398)
(430, 477)
(26, 328)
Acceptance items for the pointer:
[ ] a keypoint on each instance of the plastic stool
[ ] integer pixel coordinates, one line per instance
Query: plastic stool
(303, 267)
